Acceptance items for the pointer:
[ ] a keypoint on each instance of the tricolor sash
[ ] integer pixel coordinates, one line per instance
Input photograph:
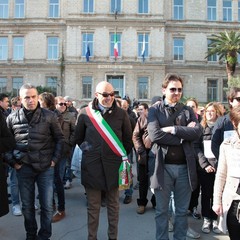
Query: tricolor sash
(125, 170)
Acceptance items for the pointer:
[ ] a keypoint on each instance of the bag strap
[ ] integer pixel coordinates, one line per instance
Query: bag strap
(106, 132)
(172, 117)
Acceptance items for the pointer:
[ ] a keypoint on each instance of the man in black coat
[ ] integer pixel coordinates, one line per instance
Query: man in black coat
(39, 141)
(100, 164)
(7, 143)
(172, 128)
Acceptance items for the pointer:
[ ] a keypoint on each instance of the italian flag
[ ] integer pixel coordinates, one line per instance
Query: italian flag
(115, 46)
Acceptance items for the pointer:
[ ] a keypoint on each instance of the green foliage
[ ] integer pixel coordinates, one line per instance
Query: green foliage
(184, 99)
(226, 45)
(42, 89)
(234, 82)
(231, 60)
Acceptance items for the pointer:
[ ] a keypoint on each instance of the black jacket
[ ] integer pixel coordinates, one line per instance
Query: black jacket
(223, 124)
(7, 143)
(100, 165)
(158, 117)
(202, 160)
(38, 142)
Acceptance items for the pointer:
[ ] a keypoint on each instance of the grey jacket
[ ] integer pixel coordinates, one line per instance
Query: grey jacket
(158, 117)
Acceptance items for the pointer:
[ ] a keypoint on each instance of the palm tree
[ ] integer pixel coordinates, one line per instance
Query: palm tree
(227, 47)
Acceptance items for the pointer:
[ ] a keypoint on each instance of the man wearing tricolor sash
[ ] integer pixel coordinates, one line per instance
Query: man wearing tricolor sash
(103, 132)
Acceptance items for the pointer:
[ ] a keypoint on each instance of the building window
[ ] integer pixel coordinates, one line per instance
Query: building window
(3, 48)
(116, 6)
(52, 85)
(143, 45)
(211, 10)
(3, 8)
(53, 48)
(178, 48)
(87, 87)
(19, 9)
(227, 10)
(18, 48)
(238, 58)
(212, 58)
(53, 8)
(212, 86)
(142, 6)
(117, 83)
(87, 42)
(17, 82)
(115, 37)
(143, 88)
(3, 85)
(88, 6)
(239, 11)
(178, 10)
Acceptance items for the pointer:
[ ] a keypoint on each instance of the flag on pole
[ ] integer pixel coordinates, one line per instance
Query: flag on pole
(115, 46)
(143, 48)
(88, 53)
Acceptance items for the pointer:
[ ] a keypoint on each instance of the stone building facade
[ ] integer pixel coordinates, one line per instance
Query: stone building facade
(45, 43)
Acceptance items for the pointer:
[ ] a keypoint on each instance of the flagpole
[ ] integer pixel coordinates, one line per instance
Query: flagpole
(115, 44)
(143, 48)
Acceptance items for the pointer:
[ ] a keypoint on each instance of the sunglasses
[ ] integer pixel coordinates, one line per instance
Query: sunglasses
(107, 94)
(62, 104)
(237, 98)
(173, 90)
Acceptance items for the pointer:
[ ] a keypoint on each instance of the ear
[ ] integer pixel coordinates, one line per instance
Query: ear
(96, 94)
(230, 102)
(163, 91)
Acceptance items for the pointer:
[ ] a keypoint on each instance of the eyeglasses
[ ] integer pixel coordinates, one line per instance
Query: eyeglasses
(104, 94)
(237, 98)
(62, 104)
(173, 90)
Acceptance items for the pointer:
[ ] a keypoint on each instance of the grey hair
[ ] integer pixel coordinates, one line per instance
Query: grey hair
(26, 86)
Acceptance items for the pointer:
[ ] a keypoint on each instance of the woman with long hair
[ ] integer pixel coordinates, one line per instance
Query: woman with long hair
(208, 167)
(226, 201)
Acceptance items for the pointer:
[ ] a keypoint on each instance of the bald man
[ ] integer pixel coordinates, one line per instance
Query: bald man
(100, 164)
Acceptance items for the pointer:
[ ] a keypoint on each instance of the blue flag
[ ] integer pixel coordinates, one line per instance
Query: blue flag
(88, 54)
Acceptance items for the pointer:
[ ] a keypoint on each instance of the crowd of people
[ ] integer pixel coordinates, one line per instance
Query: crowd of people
(181, 150)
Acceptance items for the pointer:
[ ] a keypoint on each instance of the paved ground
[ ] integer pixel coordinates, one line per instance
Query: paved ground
(74, 227)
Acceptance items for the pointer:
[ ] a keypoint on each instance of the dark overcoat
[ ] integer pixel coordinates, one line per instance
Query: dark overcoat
(100, 165)
(7, 143)
(158, 117)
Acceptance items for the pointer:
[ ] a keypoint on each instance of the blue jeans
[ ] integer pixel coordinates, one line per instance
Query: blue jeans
(129, 192)
(68, 175)
(59, 171)
(14, 186)
(27, 177)
(176, 181)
